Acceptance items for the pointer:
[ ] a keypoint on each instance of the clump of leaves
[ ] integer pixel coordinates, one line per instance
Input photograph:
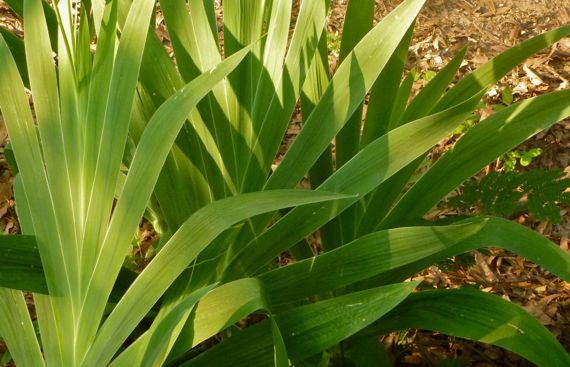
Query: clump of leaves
(522, 157)
(508, 194)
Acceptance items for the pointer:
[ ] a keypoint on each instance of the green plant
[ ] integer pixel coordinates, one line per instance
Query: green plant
(205, 134)
(429, 75)
(507, 96)
(469, 122)
(538, 192)
(522, 157)
(333, 42)
(506, 99)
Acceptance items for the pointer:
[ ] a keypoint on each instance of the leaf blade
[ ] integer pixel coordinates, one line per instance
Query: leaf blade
(480, 316)
(480, 145)
(343, 95)
(203, 227)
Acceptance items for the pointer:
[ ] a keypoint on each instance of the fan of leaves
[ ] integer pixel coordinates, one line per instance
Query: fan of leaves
(537, 192)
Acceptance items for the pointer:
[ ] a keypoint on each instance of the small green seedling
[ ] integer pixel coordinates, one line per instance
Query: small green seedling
(522, 157)
(506, 99)
(429, 75)
(470, 121)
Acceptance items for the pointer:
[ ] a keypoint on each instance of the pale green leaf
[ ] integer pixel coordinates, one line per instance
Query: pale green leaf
(147, 163)
(346, 91)
(17, 330)
(202, 227)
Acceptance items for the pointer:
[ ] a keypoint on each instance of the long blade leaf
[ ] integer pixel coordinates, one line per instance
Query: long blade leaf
(369, 168)
(202, 227)
(393, 249)
(479, 316)
(344, 94)
(482, 144)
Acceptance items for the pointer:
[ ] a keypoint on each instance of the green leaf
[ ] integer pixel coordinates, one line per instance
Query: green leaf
(344, 94)
(499, 233)
(43, 305)
(358, 21)
(397, 248)
(203, 227)
(317, 80)
(367, 352)
(507, 95)
(158, 346)
(426, 99)
(502, 193)
(361, 259)
(400, 102)
(194, 39)
(16, 46)
(480, 80)
(244, 23)
(381, 200)
(429, 75)
(113, 134)
(279, 348)
(99, 91)
(491, 72)
(526, 157)
(369, 168)
(252, 347)
(308, 329)
(15, 108)
(150, 155)
(220, 308)
(44, 85)
(482, 144)
(20, 264)
(315, 327)
(384, 92)
(18, 7)
(479, 316)
(17, 329)
(226, 305)
(283, 98)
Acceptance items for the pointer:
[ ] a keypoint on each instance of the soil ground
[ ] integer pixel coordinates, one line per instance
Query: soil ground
(487, 27)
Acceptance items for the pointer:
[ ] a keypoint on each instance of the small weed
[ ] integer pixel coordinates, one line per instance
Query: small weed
(509, 194)
(522, 157)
